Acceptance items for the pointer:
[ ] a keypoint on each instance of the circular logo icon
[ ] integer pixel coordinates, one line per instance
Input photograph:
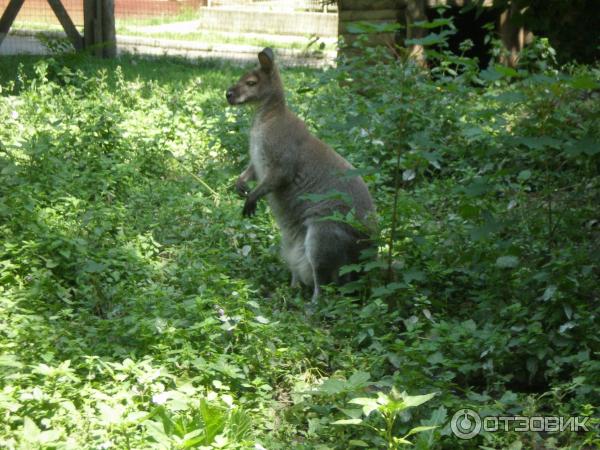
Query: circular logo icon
(465, 424)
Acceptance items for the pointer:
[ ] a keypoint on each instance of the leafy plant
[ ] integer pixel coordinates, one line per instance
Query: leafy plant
(138, 310)
(388, 407)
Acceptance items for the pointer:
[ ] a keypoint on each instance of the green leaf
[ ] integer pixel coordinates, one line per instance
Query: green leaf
(509, 97)
(411, 275)
(585, 81)
(408, 175)
(469, 325)
(358, 443)
(441, 22)
(332, 386)
(31, 431)
(51, 264)
(549, 292)
(382, 291)
(537, 142)
(239, 425)
(416, 400)
(532, 365)
(49, 436)
(369, 404)
(524, 175)
(350, 268)
(473, 132)
(430, 39)
(331, 195)
(437, 418)
(347, 422)
(478, 187)
(469, 211)
(420, 429)
(505, 71)
(587, 145)
(490, 74)
(359, 379)
(435, 358)
(156, 430)
(213, 418)
(10, 361)
(371, 27)
(377, 264)
(491, 225)
(194, 438)
(352, 413)
(507, 262)
(93, 267)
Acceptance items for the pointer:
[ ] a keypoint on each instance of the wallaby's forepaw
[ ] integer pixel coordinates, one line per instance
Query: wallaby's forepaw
(241, 188)
(249, 208)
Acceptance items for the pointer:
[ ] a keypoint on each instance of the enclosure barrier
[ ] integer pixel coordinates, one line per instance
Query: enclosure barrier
(99, 34)
(230, 29)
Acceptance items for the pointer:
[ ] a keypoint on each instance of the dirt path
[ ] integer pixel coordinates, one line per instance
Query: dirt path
(21, 45)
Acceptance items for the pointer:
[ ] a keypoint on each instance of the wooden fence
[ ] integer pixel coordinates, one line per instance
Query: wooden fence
(99, 35)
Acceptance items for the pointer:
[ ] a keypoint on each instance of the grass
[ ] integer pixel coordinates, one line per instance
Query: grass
(98, 336)
(139, 310)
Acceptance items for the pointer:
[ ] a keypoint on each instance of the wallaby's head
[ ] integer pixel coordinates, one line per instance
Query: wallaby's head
(262, 85)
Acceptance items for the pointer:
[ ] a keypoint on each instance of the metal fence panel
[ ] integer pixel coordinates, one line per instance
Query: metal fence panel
(231, 29)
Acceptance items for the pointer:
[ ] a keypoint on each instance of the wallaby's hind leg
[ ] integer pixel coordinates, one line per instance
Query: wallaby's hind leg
(294, 283)
(294, 254)
(328, 246)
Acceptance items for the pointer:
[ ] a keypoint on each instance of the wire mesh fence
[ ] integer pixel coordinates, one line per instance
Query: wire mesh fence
(301, 30)
(274, 5)
(36, 26)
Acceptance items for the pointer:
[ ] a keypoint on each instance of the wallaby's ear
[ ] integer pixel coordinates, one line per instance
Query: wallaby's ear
(266, 59)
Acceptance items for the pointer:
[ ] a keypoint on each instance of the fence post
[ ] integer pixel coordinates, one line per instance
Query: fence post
(108, 29)
(512, 35)
(67, 24)
(99, 31)
(8, 17)
(89, 6)
(415, 12)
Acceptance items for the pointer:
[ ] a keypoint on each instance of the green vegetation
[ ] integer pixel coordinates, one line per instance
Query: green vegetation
(138, 309)
(569, 25)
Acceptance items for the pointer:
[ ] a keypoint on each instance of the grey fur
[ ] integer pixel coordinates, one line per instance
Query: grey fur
(288, 162)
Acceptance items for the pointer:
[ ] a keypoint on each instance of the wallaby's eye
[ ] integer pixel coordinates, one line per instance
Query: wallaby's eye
(251, 83)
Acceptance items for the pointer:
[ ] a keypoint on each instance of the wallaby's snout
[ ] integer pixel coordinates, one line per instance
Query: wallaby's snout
(247, 89)
(230, 96)
(259, 85)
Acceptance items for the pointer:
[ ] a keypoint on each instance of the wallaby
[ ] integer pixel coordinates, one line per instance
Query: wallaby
(288, 163)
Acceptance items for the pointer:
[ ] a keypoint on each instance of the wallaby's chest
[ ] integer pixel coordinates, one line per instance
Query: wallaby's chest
(257, 151)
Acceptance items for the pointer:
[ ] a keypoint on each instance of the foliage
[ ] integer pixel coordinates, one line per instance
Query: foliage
(388, 408)
(568, 25)
(138, 309)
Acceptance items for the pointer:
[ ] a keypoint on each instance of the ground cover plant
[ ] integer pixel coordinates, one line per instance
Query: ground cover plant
(138, 309)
